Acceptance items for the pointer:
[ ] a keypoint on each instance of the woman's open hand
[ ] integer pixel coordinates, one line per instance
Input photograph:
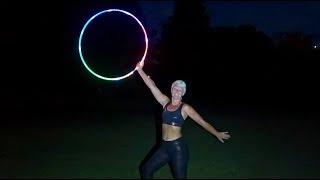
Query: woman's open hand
(223, 135)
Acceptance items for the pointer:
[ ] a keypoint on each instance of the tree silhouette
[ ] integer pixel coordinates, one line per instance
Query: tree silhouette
(182, 48)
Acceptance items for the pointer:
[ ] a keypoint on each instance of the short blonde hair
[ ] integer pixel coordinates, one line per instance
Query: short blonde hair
(181, 84)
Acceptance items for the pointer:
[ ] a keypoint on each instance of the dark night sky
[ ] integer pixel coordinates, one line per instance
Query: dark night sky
(267, 16)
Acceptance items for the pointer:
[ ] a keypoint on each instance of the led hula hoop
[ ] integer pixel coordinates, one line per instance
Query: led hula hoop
(83, 60)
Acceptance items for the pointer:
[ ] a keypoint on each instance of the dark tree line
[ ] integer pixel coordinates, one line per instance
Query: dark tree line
(234, 63)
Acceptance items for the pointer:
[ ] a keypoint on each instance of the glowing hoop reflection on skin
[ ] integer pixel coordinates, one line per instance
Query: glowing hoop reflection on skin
(80, 38)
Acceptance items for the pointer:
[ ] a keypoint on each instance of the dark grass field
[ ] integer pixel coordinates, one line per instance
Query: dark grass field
(112, 143)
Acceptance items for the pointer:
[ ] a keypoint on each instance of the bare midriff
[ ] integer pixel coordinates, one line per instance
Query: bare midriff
(170, 133)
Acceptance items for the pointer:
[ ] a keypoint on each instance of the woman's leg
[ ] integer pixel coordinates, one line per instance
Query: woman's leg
(157, 160)
(179, 154)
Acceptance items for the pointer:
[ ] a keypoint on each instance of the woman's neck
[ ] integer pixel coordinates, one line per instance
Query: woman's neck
(175, 102)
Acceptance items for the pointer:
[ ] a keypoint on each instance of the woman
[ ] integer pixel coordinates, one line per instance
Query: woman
(173, 149)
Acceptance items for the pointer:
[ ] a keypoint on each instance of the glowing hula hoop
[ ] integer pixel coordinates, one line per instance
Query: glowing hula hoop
(80, 38)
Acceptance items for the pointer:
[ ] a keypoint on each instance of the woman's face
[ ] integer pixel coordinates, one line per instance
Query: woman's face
(176, 92)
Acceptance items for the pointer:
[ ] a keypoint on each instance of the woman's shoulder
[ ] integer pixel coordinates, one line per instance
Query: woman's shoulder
(166, 104)
(185, 106)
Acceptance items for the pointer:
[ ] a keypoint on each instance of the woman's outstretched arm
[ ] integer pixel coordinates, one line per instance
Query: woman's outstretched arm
(161, 98)
(190, 111)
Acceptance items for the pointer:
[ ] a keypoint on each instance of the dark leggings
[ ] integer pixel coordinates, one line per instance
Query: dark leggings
(175, 153)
